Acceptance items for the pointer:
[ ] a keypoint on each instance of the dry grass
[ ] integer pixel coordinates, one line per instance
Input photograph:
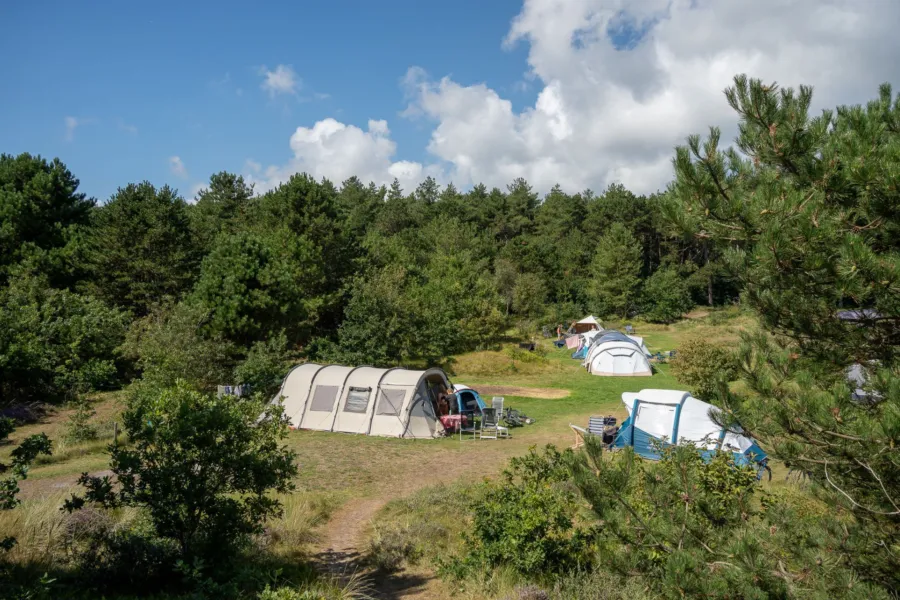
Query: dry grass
(522, 392)
(303, 514)
(507, 363)
(37, 524)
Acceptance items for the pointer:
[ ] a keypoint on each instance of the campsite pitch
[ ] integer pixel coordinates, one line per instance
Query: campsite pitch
(356, 476)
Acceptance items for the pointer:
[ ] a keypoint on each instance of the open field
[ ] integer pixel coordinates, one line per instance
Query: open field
(350, 478)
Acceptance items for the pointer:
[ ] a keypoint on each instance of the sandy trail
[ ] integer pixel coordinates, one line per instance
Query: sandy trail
(341, 551)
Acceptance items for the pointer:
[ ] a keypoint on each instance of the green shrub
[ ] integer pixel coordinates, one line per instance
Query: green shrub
(695, 527)
(203, 467)
(79, 427)
(704, 367)
(22, 456)
(54, 343)
(666, 296)
(171, 343)
(539, 356)
(265, 366)
(322, 589)
(390, 547)
(525, 522)
(422, 527)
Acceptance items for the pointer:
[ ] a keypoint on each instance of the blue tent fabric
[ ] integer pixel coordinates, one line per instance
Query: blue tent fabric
(613, 336)
(646, 445)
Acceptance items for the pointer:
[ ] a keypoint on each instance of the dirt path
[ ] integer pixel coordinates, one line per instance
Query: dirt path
(341, 555)
(341, 551)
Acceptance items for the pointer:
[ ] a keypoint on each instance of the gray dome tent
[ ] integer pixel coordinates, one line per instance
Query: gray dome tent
(386, 402)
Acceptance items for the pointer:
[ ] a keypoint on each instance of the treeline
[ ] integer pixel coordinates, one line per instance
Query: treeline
(92, 294)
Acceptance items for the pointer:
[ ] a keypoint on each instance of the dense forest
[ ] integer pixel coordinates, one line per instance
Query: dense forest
(796, 221)
(94, 293)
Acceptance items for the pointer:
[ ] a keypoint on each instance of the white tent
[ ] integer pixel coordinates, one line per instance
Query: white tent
(616, 354)
(640, 342)
(386, 402)
(677, 417)
(586, 324)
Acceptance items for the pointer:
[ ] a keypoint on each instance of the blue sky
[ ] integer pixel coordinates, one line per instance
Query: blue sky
(588, 92)
(154, 80)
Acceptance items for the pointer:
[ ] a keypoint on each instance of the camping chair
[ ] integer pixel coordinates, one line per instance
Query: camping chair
(601, 427)
(490, 426)
(497, 405)
(629, 329)
(469, 426)
(580, 433)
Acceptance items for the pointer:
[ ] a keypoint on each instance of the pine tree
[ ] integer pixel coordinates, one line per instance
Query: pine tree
(809, 216)
(219, 207)
(615, 269)
(140, 248)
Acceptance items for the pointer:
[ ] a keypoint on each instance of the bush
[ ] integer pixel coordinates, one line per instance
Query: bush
(202, 466)
(526, 522)
(265, 366)
(694, 527)
(390, 547)
(118, 555)
(666, 296)
(54, 343)
(79, 427)
(170, 343)
(423, 527)
(539, 355)
(704, 367)
(22, 456)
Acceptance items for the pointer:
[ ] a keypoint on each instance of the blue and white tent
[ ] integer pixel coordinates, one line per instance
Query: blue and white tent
(668, 415)
(615, 354)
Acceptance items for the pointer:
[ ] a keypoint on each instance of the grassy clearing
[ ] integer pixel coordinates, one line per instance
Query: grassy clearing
(336, 469)
(359, 466)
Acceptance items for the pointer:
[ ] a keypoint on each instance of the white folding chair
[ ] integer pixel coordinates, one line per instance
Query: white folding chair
(497, 405)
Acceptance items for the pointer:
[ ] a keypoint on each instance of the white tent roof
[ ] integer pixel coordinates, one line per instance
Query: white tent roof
(591, 320)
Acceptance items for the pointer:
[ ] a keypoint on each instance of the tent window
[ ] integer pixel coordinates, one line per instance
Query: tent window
(323, 398)
(357, 400)
(390, 402)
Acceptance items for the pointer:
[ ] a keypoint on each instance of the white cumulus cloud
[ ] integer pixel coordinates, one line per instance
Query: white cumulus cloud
(619, 85)
(336, 151)
(176, 166)
(282, 80)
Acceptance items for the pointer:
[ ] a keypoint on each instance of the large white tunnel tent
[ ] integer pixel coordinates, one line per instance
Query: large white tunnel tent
(387, 402)
(615, 354)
